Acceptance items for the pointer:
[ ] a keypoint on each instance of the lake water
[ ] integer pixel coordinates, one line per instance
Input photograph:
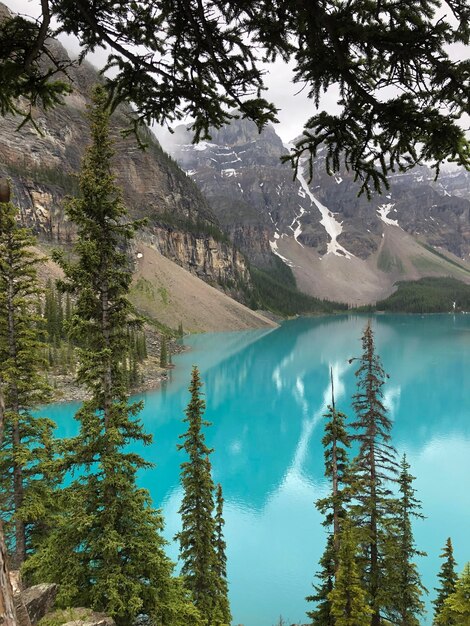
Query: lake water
(266, 392)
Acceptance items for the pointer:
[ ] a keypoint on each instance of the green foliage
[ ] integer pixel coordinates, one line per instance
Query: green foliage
(197, 227)
(106, 548)
(336, 443)
(388, 262)
(62, 616)
(348, 598)
(202, 565)
(321, 615)
(447, 579)
(284, 299)
(428, 295)
(372, 472)
(456, 608)
(27, 450)
(39, 173)
(405, 588)
(220, 569)
(22, 74)
(444, 257)
(367, 48)
(163, 351)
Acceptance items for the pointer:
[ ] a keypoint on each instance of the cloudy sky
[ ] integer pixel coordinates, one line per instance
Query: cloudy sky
(291, 100)
(295, 108)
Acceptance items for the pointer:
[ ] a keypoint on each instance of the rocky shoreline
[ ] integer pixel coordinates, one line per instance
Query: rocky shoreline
(65, 389)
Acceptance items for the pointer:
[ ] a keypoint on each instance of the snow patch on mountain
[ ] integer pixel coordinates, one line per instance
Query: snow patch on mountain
(382, 213)
(273, 245)
(328, 221)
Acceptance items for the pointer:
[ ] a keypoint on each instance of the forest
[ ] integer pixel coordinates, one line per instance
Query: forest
(72, 510)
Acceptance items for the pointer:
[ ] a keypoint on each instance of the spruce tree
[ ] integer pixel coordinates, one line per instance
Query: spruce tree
(405, 588)
(106, 551)
(27, 448)
(321, 615)
(220, 569)
(336, 444)
(456, 608)
(447, 578)
(196, 538)
(7, 603)
(163, 352)
(373, 471)
(348, 599)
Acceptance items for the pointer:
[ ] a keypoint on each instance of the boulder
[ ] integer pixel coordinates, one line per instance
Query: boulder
(37, 601)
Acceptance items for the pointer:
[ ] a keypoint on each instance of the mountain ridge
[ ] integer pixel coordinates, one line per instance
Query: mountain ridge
(338, 245)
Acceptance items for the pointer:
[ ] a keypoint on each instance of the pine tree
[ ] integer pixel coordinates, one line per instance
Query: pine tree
(223, 605)
(456, 608)
(405, 588)
(348, 599)
(448, 579)
(336, 443)
(163, 352)
(372, 471)
(196, 538)
(321, 615)
(7, 603)
(106, 550)
(27, 447)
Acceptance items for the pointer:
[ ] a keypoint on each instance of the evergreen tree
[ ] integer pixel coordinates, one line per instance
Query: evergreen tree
(106, 550)
(349, 605)
(448, 579)
(336, 443)
(163, 352)
(221, 559)
(372, 471)
(456, 608)
(403, 579)
(321, 615)
(196, 538)
(27, 447)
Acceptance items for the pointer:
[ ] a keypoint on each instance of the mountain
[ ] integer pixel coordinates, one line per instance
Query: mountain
(42, 162)
(338, 245)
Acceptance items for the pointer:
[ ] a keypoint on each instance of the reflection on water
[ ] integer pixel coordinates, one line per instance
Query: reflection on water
(266, 395)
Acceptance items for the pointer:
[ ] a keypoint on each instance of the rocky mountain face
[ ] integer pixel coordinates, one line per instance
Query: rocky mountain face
(339, 245)
(43, 162)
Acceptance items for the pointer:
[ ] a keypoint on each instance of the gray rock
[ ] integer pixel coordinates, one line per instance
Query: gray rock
(91, 619)
(38, 600)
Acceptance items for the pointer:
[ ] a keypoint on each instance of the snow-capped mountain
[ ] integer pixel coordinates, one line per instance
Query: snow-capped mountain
(338, 245)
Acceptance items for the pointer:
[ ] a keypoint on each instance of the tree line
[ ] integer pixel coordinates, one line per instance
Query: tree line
(368, 572)
(96, 533)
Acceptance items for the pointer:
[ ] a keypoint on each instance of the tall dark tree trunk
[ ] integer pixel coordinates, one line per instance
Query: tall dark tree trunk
(106, 331)
(335, 482)
(18, 488)
(7, 605)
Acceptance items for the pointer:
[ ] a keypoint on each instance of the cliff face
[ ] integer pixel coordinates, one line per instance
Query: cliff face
(43, 165)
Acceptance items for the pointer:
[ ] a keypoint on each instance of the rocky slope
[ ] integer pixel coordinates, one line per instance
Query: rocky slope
(43, 162)
(340, 246)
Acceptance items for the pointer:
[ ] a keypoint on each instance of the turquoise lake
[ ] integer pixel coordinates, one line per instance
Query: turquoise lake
(266, 392)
